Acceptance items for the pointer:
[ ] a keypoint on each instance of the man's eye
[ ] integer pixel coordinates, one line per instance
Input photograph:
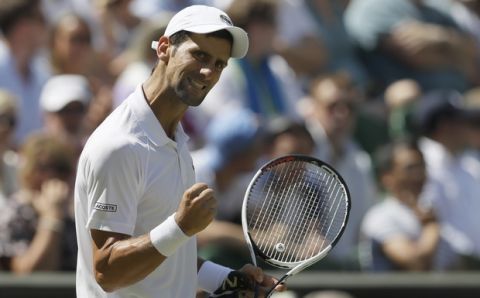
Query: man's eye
(220, 66)
(200, 56)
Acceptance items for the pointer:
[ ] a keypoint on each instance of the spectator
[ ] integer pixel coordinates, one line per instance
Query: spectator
(262, 81)
(37, 231)
(400, 235)
(234, 145)
(72, 52)
(71, 48)
(8, 156)
(301, 45)
(411, 39)
(117, 23)
(65, 100)
(452, 190)
(23, 26)
(318, 41)
(330, 117)
(286, 136)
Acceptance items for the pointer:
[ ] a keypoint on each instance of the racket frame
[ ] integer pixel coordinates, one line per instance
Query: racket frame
(295, 267)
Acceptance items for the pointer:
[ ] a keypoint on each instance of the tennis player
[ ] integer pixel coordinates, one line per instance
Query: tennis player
(137, 205)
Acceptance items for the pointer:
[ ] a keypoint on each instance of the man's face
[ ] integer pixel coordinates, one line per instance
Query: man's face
(195, 65)
(408, 172)
(334, 109)
(71, 117)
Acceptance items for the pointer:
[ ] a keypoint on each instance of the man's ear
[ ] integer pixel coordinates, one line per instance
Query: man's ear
(162, 49)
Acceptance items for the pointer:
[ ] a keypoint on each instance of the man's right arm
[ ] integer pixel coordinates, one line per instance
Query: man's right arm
(120, 260)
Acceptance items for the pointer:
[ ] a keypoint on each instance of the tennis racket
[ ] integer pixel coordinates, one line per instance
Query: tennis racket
(294, 211)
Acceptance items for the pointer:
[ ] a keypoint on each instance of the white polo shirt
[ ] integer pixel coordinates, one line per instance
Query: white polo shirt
(130, 178)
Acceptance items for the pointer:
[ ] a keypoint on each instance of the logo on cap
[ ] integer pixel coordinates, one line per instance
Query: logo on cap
(225, 19)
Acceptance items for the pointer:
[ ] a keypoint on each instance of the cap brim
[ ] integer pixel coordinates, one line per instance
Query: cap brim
(240, 37)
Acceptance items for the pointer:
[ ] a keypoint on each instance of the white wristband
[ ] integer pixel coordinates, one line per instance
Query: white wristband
(167, 237)
(211, 276)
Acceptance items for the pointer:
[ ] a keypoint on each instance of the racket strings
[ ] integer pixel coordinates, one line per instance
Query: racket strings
(305, 226)
(294, 219)
(312, 246)
(292, 232)
(330, 220)
(274, 193)
(267, 238)
(301, 223)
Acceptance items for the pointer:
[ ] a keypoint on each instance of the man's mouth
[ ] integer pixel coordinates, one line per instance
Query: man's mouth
(197, 84)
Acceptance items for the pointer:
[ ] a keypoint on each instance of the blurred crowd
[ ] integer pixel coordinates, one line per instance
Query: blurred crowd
(385, 91)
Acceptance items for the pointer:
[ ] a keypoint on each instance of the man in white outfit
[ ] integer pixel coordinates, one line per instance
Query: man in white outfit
(137, 206)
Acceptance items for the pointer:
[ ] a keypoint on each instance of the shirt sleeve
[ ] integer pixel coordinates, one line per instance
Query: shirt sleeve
(379, 225)
(113, 189)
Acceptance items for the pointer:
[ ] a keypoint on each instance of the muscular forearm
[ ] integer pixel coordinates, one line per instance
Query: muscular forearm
(121, 263)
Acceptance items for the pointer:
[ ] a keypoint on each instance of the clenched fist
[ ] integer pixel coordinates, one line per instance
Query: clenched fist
(197, 209)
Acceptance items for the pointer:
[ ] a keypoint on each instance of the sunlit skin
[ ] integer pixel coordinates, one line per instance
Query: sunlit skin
(184, 75)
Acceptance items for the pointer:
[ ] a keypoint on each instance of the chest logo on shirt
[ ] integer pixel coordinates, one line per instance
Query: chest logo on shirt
(106, 207)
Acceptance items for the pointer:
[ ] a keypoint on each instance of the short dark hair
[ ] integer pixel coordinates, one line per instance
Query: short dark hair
(384, 156)
(11, 11)
(285, 125)
(437, 107)
(180, 36)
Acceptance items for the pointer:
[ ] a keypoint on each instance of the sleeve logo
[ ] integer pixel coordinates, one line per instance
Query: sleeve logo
(106, 207)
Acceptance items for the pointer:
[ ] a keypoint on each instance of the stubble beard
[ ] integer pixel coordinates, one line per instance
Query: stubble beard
(187, 97)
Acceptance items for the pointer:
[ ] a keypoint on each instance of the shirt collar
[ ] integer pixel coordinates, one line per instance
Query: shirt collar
(150, 124)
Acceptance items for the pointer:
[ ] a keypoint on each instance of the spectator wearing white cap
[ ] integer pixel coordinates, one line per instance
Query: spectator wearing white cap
(137, 206)
(64, 101)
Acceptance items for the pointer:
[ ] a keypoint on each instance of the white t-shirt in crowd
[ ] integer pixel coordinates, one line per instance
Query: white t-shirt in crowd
(453, 191)
(130, 178)
(391, 218)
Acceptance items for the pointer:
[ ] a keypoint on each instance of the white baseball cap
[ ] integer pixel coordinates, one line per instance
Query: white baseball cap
(61, 90)
(204, 19)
